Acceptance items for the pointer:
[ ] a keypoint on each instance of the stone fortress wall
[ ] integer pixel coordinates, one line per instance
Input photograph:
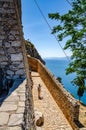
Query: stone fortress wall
(64, 99)
(11, 57)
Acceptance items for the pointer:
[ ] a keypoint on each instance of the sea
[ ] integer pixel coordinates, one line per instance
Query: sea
(57, 66)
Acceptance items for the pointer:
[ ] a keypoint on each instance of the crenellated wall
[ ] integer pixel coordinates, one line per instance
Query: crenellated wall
(64, 99)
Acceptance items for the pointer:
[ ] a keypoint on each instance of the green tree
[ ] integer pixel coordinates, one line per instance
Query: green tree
(80, 92)
(72, 26)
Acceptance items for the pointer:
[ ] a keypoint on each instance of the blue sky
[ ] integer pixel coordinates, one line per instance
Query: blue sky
(37, 31)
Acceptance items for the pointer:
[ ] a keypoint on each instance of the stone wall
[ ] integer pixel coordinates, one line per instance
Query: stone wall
(64, 99)
(33, 63)
(11, 57)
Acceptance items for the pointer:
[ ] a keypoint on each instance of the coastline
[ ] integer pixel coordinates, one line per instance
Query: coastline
(57, 66)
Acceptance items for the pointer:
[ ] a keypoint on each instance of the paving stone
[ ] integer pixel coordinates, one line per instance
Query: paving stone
(12, 98)
(21, 93)
(14, 128)
(12, 103)
(20, 110)
(4, 117)
(21, 104)
(2, 128)
(15, 107)
(40, 128)
(21, 90)
(15, 119)
(8, 107)
(22, 98)
(14, 93)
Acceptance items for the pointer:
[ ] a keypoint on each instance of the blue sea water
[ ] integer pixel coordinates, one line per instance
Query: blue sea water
(57, 67)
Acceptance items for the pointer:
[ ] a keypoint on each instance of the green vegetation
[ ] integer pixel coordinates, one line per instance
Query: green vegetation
(72, 26)
(28, 43)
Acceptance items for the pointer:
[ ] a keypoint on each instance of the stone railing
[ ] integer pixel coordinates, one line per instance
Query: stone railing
(64, 99)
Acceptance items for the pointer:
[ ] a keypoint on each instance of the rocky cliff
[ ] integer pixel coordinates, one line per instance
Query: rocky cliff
(32, 51)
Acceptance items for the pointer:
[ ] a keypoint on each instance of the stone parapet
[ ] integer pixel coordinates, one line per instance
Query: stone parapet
(63, 98)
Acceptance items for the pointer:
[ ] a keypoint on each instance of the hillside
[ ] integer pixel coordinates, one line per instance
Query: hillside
(32, 51)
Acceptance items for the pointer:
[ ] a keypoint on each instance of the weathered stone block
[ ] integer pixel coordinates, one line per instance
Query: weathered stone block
(11, 37)
(22, 97)
(15, 77)
(1, 37)
(4, 117)
(7, 44)
(13, 68)
(0, 42)
(20, 72)
(15, 64)
(3, 58)
(5, 11)
(14, 128)
(1, 51)
(5, 5)
(8, 107)
(16, 57)
(14, 32)
(21, 104)
(11, 50)
(20, 110)
(8, 77)
(16, 44)
(10, 72)
(12, 99)
(21, 65)
(15, 120)
(3, 63)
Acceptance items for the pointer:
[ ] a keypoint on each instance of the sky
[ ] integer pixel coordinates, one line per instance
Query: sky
(36, 29)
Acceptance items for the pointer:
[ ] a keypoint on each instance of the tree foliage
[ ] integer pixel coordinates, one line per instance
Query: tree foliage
(80, 92)
(72, 26)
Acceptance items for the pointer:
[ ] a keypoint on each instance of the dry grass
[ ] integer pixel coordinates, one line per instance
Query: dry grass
(82, 115)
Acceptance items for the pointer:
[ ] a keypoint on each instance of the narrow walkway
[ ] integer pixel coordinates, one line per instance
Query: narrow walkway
(12, 109)
(53, 116)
